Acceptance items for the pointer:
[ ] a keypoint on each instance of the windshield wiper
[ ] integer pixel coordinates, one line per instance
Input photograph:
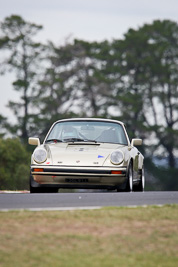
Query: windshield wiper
(79, 140)
(53, 140)
(74, 139)
(93, 141)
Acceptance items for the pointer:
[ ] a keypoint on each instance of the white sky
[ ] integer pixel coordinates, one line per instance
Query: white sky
(88, 20)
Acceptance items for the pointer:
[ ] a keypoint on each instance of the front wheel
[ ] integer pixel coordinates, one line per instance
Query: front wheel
(140, 187)
(43, 190)
(129, 184)
(36, 188)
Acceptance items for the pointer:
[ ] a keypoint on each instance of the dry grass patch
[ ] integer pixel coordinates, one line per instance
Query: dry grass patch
(106, 237)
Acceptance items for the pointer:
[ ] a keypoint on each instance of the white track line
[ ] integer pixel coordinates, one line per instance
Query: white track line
(78, 208)
(54, 209)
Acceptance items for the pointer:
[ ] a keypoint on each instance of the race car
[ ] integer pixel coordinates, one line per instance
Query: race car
(86, 153)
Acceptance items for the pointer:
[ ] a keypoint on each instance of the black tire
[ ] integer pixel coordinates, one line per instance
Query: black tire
(140, 187)
(36, 188)
(43, 190)
(129, 184)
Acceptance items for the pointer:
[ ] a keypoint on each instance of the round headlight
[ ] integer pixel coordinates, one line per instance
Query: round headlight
(116, 157)
(40, 155)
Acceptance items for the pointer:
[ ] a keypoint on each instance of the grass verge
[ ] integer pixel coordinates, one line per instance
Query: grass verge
(106, 237)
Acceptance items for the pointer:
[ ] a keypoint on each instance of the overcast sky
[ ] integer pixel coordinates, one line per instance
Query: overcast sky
(83, 19)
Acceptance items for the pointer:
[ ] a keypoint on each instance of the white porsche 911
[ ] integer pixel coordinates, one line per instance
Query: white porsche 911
(86, 153)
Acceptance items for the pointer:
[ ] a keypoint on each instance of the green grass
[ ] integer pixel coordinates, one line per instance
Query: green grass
(106, 237)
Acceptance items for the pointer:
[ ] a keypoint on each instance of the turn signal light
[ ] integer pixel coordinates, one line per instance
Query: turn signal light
(116, 172)
(38, 170)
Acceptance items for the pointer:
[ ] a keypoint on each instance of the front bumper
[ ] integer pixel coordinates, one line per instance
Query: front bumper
(78, 177)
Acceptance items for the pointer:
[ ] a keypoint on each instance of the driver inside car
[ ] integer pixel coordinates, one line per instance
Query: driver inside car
(69, 132)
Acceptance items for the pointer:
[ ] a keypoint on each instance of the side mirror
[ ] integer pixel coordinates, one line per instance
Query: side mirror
(136, 142)
(34, 141)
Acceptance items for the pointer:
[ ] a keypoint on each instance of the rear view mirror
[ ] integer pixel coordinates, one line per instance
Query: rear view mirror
(136, 142)
(34, 141)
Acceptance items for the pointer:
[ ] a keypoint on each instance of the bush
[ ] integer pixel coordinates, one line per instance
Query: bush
(160, 178)
(14, 165)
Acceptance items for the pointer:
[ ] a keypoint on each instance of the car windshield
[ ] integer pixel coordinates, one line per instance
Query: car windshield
(87, 131)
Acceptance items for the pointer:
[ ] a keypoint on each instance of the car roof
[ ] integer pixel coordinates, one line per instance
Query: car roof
(90, 119)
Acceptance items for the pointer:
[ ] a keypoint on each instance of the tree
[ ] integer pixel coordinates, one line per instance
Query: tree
(90, 81)
(22, 56)
(55, 91)
(148, 83)
(72, 84)
(162, 89)
(3, 122)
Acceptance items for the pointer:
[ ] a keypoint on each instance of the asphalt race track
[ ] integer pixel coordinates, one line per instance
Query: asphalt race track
(82, 200)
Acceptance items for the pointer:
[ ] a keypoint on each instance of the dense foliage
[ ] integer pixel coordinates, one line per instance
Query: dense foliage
(134, 80)
(14, 165)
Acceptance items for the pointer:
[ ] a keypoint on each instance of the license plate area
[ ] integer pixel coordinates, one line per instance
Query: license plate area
(72, 180)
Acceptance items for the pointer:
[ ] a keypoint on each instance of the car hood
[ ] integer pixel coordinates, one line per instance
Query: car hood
(80, 154)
